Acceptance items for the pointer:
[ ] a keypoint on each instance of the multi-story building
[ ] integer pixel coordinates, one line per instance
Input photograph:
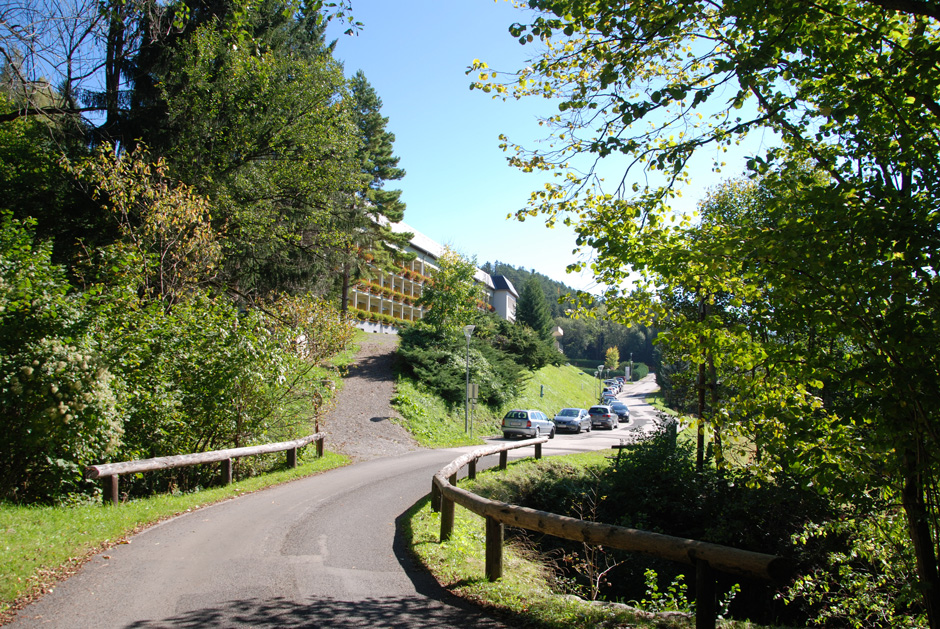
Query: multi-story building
(388, 299)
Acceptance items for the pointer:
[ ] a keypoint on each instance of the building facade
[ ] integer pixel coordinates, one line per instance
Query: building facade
(390, 299)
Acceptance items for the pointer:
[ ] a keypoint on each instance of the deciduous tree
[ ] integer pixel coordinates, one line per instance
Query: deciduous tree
(835, 261)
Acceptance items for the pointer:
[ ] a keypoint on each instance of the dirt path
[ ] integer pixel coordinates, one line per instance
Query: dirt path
(359, 425)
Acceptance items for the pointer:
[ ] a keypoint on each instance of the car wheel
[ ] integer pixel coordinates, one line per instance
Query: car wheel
(551, 435)
(577, 430)
(506, 435)
(589, 428)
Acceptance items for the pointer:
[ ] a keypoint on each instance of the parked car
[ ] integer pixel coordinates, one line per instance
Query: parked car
(622, 410)
(621, 380)
(527, 423)
(608, 398)
(603, 417)
(572, 420)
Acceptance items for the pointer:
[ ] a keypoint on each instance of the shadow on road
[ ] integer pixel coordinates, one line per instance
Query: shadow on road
(466, 615)
(319, 612)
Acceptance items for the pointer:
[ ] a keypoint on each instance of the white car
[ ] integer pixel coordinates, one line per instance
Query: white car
(527, 423)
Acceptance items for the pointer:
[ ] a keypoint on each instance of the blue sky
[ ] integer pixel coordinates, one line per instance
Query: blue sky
(459, 188)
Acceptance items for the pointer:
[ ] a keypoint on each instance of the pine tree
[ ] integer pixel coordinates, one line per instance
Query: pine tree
(378, 206)
(532, 309)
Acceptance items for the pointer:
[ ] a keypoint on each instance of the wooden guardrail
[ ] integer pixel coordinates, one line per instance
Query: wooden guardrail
(110, 473)
(705, 557)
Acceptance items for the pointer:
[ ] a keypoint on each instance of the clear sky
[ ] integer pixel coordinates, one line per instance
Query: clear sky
(459, 188)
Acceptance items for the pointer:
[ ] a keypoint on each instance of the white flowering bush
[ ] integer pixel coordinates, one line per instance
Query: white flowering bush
(57, 402)
(61, 414)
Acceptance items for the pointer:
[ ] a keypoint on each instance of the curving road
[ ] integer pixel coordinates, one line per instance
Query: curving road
(325, 551)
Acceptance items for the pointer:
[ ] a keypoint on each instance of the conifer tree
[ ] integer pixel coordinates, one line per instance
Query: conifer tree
(532, 309)
(376, 205)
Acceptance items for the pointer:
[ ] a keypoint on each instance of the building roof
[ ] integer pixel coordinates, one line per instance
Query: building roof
(418, 240)
(501, 282)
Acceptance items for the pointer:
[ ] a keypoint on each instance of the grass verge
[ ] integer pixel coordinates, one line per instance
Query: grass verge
(525, 593)
(528, 594)
(43, 544)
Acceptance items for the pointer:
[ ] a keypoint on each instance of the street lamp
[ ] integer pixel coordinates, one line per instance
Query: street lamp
(467, 331)
(600, 377)
(630, 375)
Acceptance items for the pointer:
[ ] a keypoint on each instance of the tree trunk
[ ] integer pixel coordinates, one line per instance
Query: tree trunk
(344, 306)
(713, 385)
(919, 525)
(700, 442)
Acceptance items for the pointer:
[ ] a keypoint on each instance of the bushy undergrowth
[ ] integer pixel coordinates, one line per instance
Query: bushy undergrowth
(500, 353)
(99, 369)
(847, 575)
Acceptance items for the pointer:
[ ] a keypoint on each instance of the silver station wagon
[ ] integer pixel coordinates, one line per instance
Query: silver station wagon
(527, 423)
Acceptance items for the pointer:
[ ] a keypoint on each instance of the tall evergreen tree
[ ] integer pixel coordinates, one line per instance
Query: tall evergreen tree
(532, 309)
(378, 206)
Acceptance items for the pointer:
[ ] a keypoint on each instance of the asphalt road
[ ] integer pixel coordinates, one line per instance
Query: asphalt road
(326, 551)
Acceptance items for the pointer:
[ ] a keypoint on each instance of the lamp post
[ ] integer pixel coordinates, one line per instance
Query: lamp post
(600, 381)
(467, 331)
(630, 375)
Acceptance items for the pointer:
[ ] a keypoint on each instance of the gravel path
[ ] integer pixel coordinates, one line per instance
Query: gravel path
(359, 425)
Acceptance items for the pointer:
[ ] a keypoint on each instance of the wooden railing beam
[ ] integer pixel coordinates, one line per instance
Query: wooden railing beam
(109, 473)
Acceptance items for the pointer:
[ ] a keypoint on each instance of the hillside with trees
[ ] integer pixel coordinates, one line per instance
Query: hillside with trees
(185, 190)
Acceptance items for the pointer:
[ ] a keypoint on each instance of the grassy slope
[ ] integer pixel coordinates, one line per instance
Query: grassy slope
(526, 591)
(435, 425)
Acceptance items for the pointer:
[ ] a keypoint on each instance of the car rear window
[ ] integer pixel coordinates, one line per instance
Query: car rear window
(598, 409)
(517, 415)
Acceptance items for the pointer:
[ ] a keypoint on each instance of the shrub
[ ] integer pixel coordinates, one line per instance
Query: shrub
(56, 394)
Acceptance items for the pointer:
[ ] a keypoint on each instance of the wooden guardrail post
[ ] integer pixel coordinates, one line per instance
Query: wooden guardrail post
(447, 518)
(706, 608)
(435, 497)
(319, 443)
(538, 451)
(292, 457)
(111, 494)
(226, 473)
(494, 549)
(472, 469)
(447, 512)
(503, 458)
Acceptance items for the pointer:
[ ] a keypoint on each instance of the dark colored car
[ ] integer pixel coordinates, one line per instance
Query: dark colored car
(622, 410)
(572, 420)
(527, 423)
(603, 417)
